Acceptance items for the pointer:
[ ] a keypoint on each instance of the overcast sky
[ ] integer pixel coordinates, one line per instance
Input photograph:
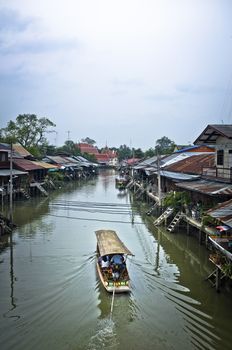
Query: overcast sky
(119, 72)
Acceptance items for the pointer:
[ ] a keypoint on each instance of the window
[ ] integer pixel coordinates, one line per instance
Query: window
(220, 157)
(3, 157)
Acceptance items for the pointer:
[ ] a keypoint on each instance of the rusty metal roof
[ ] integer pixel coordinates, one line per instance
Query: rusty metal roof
(57, 159)
(45, 165)
(222, 212)
(211, 188)
(26, 165)
(21, 150)
(212, 132)
(193, 164)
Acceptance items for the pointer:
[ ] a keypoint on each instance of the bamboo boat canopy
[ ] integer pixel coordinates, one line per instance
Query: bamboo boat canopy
(109, 243)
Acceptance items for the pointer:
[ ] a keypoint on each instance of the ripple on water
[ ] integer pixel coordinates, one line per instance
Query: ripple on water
(105, 336)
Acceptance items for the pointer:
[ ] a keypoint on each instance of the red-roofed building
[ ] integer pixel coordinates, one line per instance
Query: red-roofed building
(87, 148)
(106, 157)
(102, 158)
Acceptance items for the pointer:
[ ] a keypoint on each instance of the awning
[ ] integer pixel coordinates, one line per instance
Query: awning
(211, 188)
(15, 172)
(109, 243)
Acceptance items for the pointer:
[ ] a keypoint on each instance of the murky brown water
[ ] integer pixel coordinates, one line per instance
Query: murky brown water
(51, 298)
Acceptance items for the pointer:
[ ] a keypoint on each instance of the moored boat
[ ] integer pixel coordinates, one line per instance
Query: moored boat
(121, 182)
(111, 262)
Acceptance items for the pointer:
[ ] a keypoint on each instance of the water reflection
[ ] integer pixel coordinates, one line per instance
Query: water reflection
(12, 282)
(63, 304)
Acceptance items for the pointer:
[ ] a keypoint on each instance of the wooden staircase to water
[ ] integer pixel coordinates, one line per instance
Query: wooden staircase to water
(163, 216)
(175, 222)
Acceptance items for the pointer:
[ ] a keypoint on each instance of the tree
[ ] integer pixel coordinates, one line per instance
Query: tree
(149, 153)
(124, 152)
(138, 153)
(164, 145)
(88, 140)
(28, 130)
(70, 148)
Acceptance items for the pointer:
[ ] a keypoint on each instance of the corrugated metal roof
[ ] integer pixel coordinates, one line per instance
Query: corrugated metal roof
(193, 164)
(6, 172)
(57, 159)
(222, 212)
(212, 132)
(177, 157)
(26, 165)
(195, 147)
(178, 176)
(21, 150)
(211, 188)
(45, 165)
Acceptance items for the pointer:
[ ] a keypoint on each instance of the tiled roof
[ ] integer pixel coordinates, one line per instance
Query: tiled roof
(86, 148)
(102, 157)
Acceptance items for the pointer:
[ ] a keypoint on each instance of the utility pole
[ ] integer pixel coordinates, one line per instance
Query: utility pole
(68, 132)
(11, 185)
(158, 179)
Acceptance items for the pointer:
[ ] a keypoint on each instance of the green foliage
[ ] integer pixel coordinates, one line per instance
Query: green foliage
(88, 140)
(28, 130)
(149, 153)
(208, 220)
(176, 200)
(227, 269)
(164, 145)
(70, 148)
(90, 157)
(56, 176)
(138, 153)
(124, 152)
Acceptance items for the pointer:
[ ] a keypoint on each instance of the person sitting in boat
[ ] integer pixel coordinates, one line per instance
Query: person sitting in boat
(115, 275)
(105, 262)
(117, 262)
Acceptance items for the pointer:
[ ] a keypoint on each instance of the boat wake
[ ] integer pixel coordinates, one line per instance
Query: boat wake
(105, 337)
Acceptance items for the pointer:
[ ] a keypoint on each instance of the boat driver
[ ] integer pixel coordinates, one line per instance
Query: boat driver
(117, 261)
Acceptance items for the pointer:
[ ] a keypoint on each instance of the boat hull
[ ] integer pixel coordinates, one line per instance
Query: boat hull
(111, 286)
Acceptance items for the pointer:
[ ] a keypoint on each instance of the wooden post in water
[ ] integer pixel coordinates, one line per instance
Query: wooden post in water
(200, 236)
(217, 282)
(11, 186)
(187, 228)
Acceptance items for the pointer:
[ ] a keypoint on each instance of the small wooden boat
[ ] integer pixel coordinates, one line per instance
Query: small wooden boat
(111, 262)
(121, 182)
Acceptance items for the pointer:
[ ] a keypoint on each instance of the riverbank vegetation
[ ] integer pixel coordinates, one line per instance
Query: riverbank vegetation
(30, 131)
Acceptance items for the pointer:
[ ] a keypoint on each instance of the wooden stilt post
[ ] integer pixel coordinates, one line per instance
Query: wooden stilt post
(217, 284)
(187, 228)
(200, 236)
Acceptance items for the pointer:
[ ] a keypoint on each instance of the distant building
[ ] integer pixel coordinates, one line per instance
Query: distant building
(106, 157)
(87, 148)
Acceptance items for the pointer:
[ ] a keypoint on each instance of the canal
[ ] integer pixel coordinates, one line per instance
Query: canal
(51, 298)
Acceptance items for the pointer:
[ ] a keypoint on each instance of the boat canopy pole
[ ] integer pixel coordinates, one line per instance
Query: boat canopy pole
(112, 304)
